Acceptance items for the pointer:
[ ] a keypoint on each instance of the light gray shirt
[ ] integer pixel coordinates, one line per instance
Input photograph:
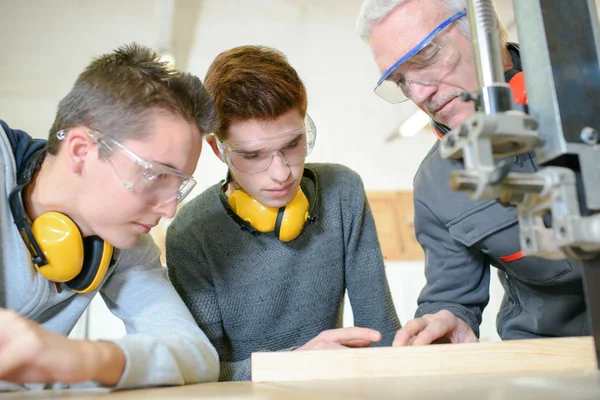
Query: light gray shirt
(163, 346)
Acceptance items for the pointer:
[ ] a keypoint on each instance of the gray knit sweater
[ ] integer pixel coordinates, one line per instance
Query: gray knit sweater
(253, 293)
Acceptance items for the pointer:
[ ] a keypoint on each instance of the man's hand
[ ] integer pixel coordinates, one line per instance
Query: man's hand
(441, 327)
(32, 354)
(342, 338)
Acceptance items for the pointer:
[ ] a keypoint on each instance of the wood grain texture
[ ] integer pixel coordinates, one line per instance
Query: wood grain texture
(555, 354)
(394, 215)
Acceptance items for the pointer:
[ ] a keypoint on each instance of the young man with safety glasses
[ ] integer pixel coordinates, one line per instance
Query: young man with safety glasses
(75, 223)
(263, 259)
(424, 51)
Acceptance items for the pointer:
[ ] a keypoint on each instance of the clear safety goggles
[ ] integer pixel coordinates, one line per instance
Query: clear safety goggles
(424, 64)
(156, 184)
(257, 155)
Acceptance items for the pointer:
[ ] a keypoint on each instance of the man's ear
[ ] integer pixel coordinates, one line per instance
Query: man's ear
(77, 147)
(212, 141)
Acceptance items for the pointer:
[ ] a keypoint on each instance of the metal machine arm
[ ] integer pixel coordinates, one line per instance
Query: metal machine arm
(560, 57)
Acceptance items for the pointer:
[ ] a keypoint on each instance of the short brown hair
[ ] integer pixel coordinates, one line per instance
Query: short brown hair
(253, 82)
(119, 92)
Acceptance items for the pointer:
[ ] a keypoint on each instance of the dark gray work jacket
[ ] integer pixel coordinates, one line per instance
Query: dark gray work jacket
(461, 237)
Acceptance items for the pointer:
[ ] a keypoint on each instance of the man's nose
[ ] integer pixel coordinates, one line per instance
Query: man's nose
(279, 170)
(421, 91)
(167, 210)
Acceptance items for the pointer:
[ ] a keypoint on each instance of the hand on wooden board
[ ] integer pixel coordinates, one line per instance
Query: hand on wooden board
(343, 338)
(441, 327)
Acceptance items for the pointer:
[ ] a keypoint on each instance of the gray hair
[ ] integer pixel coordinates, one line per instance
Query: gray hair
(373, 11)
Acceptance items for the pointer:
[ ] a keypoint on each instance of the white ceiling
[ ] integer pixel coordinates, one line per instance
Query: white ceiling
(46, 44)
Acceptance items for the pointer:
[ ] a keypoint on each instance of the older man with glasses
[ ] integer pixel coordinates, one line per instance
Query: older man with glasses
(75, 220)
(424, 52)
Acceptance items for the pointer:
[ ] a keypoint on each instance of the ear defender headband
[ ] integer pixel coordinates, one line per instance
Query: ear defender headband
(57, 248)
(286, 222)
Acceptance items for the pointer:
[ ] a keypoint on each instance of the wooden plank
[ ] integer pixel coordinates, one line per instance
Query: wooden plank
(445, 359)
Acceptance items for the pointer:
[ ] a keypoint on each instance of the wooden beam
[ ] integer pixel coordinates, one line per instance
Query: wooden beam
(554, 354)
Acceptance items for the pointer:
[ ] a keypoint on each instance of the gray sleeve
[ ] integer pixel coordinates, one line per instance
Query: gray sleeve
(366, 281)
(241, 370)
(164, 346)
(458, 277)
(192, 280)
(236, 371)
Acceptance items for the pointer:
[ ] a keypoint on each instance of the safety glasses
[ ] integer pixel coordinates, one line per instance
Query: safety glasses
(257, 155)
(155, 184)
(424, 64)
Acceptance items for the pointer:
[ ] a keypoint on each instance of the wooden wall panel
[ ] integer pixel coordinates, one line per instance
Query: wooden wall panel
(394, 218)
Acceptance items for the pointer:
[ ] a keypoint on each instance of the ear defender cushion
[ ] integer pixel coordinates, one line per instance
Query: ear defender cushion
(292, 217)
(80, 262)
(98, 255)
(61, 243)
(287, 222)
(55, 239)
(261, 217)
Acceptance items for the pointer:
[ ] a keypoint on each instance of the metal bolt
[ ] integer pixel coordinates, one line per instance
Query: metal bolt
(589, 136)
(531, 124)
(450, 142)
(466, 96)
(563, 231)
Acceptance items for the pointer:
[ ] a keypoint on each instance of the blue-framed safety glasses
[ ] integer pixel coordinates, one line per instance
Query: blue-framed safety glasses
(423, 64)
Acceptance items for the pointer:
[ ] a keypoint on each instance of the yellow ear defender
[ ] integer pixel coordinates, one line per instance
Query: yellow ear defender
(286, 222)
(57, 248)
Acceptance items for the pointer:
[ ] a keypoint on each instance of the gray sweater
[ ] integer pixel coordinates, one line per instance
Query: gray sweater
(164, 345)
(255, 293)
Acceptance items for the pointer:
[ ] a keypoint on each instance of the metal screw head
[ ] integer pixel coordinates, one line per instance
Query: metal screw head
(530, 124)
(468, 96)
(589, 135)
(450, 142)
